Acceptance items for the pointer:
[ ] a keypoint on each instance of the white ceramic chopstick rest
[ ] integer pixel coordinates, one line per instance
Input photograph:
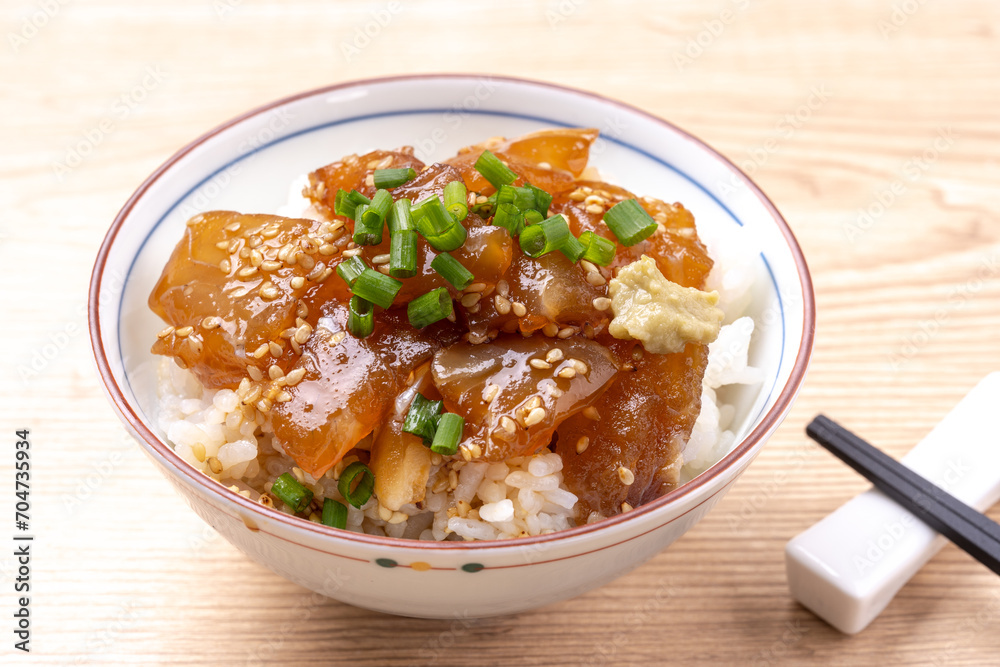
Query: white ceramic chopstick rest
(850, 565)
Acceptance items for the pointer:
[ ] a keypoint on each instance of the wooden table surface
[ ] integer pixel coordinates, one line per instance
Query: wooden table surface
(834, 108)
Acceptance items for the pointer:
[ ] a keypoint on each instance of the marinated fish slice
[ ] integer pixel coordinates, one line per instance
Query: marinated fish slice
(347, 384)
(549, 292)
(514, 391)
(401, 461)
(231, 287)
(675, 246)
(430, 181)
(548, 159)
(626, 448)
(353, 172)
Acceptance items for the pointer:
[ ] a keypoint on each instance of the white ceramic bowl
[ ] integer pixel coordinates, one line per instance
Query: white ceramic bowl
(247, 165)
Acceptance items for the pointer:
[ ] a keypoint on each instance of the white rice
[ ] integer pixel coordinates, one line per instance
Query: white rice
(464, 500)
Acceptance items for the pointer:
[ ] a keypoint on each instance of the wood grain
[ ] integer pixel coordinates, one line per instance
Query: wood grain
(828, 105)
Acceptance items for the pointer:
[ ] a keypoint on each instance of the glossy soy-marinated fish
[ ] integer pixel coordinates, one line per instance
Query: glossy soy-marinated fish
(337, 346)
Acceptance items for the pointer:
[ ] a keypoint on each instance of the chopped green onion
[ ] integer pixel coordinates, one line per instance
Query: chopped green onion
(403, 254)
(532, 217)
(456, 200)
(629, 222)
(523, 198)
(597, 249)
(376, 287)
(350, 269)
(437, 225)
(448, 433)
(422, 418)
(392, 178)
(510, 218)
(493, 170)
(362, 491)
(360, 317)
(399, 218)
(334, 514)
(345, 203)
(542, 199)
(428, 308)
(544, 237)
(572, 248)
(364, 232)
(452, 270)
(288, 490)
(378, 209)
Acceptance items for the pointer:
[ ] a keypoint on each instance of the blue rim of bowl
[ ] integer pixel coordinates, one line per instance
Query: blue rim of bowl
(762, 430)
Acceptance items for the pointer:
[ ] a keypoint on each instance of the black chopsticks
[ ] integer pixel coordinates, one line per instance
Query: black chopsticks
(970, 530)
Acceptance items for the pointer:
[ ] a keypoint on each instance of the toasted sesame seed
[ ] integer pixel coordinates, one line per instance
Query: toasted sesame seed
(384, 163)
(383, 268)
(508, 424)
(534, 402)
(534, 417)
(540, 364)
(264, 405)
(215, 465)
(246, 272)
(253, 395)
(337, 337)
(183, 331)
(452, 480)
(501, 304)
(582, 444)
(596, 209)
(166, 331)
(626, 476)
(275, 349)
(451, 316)
(381, 259)
(232, 227)
(550, 329)
(590, 412)
(470, 300)
(315, 274)
(491, 392)
(327, 272)
(255, 241)
(596, 279)
(266, 500)
(301, 309)
(261, 351)
(225, 266)
(553, 355)
(296, 346)
(595, 199)
(306, 262)
(255, 373)
(234, 245)
(299, 474)
(270, 232)
(198, 450)
(475, 287)
(222, 245)
(518, 309)
(661, 228)
(297, 282)
(566, 332)
(256, 258)
(580, 366)
(588, 266)
(295, 376)
(567, 372)
(626, 507)
(268, 292)
(302, 334)
(275, 372)
(283, 397)
(503, 288)
(351, 253)
(602, 303)
(577, 195)
(270, 265)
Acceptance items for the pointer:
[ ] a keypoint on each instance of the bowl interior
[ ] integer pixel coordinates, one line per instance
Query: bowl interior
(249, 164)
